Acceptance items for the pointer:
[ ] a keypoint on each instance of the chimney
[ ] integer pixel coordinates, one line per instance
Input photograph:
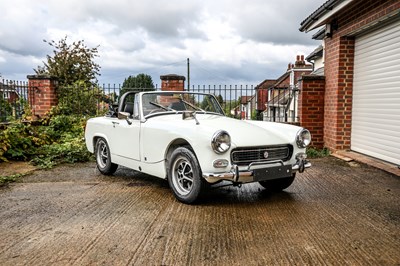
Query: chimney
(300, 61)
(172, 82)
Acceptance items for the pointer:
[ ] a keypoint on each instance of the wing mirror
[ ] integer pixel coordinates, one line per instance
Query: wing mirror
(124, 116)
(190, 115)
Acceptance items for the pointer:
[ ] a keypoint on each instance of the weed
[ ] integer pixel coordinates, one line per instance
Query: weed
(317, 153)
(9, 179)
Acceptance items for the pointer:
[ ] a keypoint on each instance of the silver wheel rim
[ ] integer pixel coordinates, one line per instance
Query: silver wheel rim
(102, 154)
(182, 176)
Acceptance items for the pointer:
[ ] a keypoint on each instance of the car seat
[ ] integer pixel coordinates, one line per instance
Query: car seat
(129, 108)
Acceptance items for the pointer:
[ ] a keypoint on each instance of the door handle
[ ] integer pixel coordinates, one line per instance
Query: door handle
(115, 123)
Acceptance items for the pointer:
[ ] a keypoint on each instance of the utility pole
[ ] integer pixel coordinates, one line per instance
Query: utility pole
(188, 75)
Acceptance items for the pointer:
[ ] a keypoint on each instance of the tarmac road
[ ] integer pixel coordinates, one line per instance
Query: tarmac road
(333, 214)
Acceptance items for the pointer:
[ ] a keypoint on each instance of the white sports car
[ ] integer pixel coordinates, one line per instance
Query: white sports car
(185, 137)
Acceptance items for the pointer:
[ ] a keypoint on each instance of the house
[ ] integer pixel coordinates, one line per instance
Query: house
(361, 85)
(316, 58)
(245, 107)
(282, 94)
(262, 94)
(8, 93)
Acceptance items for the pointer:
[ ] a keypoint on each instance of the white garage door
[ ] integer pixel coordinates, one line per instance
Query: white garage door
(376, 94)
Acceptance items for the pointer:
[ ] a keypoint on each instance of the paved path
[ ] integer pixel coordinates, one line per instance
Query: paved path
(334, 214)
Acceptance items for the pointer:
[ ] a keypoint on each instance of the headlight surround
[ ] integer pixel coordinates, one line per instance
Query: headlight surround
(221, 142)
(303, 138)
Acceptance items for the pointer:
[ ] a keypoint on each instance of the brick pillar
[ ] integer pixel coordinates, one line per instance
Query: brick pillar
(172, 82)
(311, 107)
(42, 93)
(339, 70)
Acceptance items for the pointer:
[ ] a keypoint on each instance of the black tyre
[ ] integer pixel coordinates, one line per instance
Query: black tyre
(103, 158)
(184, 176)
(278, 184)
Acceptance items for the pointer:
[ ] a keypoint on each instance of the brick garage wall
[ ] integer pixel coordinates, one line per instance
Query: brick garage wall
(42, 93)
(311, 107)
(339, 67)
(339, 64)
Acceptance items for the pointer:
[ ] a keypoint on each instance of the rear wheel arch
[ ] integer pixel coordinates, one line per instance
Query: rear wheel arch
(103, 157)
(97, 137)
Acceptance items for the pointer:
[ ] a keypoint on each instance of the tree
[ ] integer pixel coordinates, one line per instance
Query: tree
(140, 81)
(71, 63)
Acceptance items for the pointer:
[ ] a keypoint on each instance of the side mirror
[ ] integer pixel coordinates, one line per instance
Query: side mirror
(187, 115)
(124, 116)
(190, 115)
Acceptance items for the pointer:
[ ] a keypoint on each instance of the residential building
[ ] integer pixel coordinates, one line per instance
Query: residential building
(282, 94)
(262, 94)
(361, 85)
(8, 93)
(247, 106)
(316, 58)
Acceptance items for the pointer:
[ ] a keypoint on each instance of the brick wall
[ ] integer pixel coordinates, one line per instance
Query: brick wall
(42, 93)
(339, 66)
(311, 107)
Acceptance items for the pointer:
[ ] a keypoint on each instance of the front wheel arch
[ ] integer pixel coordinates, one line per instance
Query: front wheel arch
(184, 176)
(172, 147)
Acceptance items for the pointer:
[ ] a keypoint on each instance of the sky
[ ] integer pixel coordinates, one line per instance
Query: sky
(228, 42)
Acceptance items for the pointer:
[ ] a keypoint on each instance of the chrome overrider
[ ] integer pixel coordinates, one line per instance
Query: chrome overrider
(246, 174)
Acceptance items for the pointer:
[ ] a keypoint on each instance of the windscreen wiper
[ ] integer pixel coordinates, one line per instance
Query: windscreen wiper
(162, 107)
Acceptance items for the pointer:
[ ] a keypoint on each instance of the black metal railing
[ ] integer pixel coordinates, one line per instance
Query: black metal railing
(282, 105)
(14, 99)
(237, 101)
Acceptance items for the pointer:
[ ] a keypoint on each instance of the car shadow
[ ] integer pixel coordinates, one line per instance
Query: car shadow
(247, 194)
(217, 195)
(132, 178)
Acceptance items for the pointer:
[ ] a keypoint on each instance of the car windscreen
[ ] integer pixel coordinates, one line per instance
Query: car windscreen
(157, 103)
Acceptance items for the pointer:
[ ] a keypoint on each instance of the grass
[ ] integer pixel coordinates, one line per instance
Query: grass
(313, 153)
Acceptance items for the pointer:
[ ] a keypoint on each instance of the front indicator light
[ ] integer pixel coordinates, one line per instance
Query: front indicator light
(220, 163)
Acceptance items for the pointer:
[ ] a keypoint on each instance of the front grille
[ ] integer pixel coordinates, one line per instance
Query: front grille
(245, 156)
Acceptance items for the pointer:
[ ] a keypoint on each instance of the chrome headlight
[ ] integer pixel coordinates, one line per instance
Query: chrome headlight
(221, 141)
(303, 138)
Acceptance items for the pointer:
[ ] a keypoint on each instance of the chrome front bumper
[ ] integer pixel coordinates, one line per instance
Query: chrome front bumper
(259, 171)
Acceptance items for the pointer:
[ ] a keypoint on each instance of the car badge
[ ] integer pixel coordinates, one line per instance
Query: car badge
(266, 155)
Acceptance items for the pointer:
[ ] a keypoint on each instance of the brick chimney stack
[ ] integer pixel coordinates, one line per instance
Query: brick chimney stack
(172, 82)
(300, 60)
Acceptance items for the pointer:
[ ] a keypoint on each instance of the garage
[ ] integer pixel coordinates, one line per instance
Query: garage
(376, 94)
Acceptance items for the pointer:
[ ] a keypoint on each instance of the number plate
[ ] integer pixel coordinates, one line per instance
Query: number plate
(272, 172)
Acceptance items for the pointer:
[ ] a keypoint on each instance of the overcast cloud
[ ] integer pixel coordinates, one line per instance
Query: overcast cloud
(227, 41)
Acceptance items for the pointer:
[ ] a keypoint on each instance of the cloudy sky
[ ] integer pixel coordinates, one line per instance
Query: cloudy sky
(227, 41)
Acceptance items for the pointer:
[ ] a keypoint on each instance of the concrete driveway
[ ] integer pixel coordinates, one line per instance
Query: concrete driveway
(334, 214)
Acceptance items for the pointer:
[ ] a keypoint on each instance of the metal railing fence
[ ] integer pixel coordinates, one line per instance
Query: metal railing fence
(282, 105)
(14, 99)
(237, 101)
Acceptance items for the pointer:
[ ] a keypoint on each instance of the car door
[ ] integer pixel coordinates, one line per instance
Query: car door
(125, 140)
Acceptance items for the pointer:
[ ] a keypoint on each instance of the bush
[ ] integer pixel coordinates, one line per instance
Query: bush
(58, 139)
